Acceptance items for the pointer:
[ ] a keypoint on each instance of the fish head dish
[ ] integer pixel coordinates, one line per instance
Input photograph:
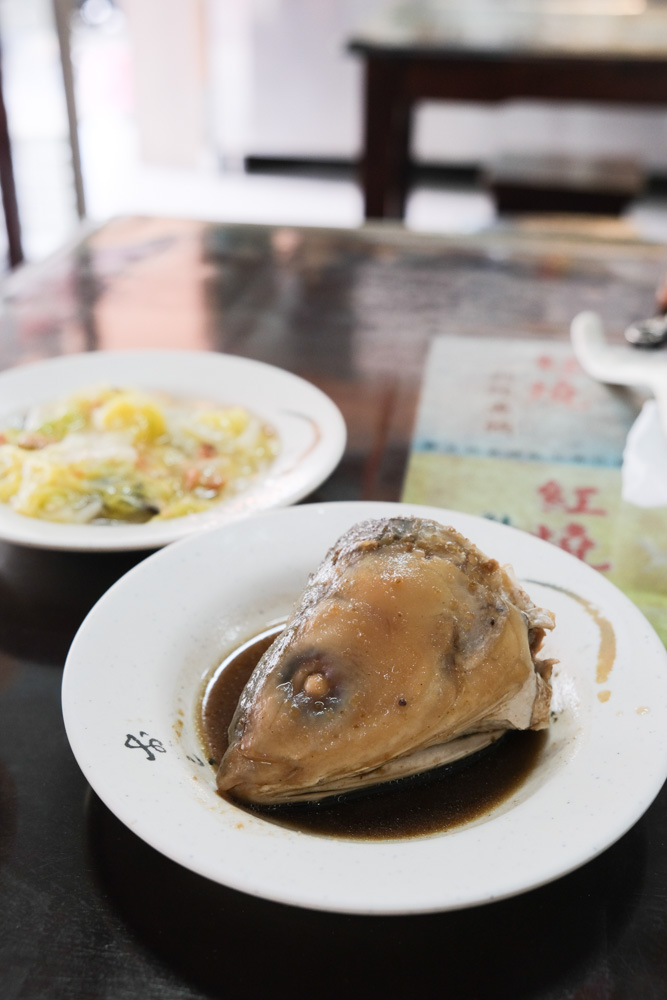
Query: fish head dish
(409, 648)
(132, 702)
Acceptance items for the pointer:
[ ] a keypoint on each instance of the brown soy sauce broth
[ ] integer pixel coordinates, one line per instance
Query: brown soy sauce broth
(409, 807)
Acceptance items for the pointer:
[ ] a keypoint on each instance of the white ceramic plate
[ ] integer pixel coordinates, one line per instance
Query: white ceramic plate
(311, 430)
(135, 670)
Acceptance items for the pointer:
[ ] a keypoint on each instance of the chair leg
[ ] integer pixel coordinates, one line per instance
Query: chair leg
(9, 202)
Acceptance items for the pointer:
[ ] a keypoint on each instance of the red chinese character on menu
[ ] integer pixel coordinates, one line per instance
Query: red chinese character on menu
(500, 384)
(574, 540)
(502, 426)
(563, 392)
(568, 365)
(556, 384)
(583, 495)
(552, 495)
(553, 498)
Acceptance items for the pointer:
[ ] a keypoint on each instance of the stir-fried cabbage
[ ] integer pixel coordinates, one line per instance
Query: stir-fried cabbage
(107, 455)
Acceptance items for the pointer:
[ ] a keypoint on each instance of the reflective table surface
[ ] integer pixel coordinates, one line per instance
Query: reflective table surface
(88, 909)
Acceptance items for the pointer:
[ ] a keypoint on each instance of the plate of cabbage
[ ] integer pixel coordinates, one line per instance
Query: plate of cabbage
(131, 450)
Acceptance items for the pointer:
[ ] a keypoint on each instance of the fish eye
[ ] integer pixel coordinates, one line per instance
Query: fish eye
(316, 685)
(312, 678)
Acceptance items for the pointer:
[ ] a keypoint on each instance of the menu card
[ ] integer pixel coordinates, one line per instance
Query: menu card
(514, 430)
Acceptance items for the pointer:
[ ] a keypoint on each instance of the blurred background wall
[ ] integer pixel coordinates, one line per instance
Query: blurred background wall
(176, 98)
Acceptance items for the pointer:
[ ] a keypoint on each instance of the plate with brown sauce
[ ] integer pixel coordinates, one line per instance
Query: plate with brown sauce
(122, 450)
(147, 706)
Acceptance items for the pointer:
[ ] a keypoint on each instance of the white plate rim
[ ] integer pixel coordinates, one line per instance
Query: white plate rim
(370, 887)
(311, 425)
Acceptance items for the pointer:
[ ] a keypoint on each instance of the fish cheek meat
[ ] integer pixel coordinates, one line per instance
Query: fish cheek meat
(394, 649)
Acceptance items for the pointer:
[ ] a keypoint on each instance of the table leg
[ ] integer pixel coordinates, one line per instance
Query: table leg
(386, 161)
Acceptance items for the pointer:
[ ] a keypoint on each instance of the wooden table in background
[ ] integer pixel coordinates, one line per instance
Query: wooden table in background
(89, 911)
(489, 53)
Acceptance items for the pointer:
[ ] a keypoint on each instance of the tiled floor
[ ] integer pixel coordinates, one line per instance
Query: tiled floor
(132, 187)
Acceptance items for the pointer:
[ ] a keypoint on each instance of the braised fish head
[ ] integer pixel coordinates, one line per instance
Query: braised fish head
(408, 648)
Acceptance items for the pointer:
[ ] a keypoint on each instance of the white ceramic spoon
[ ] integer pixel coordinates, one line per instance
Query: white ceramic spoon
(619, 365)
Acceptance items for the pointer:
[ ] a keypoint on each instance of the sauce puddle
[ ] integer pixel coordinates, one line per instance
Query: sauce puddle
(410, 807)
(607, 649)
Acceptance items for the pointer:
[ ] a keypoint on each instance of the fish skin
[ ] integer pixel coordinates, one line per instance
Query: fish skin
(407, 640)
